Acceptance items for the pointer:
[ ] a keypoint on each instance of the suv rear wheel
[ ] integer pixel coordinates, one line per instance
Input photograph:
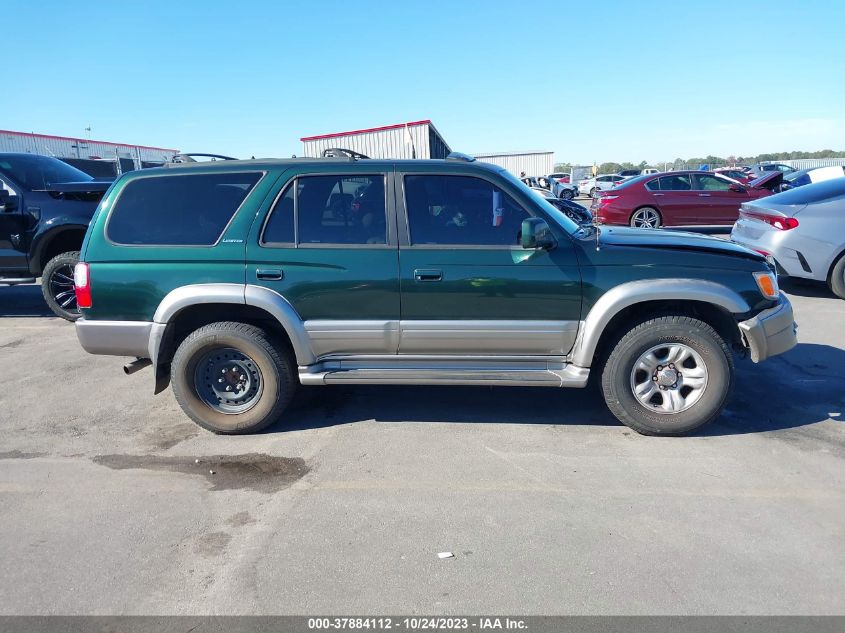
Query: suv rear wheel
(668, 376)
(232, 378)
(57, 285)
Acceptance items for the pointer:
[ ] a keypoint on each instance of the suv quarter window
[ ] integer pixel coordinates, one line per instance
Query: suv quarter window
(460, 211)
(178, 209)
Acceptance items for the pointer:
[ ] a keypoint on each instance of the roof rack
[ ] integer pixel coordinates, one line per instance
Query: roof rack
(461, 156)
(340, 152)
(192, 158)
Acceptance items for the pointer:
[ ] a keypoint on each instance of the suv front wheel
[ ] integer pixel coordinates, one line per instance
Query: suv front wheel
(668, 376)
(231, 378)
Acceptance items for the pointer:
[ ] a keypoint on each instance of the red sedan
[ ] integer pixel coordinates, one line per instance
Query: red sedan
(679, 198)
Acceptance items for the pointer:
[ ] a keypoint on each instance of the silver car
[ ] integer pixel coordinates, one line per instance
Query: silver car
(802, 229)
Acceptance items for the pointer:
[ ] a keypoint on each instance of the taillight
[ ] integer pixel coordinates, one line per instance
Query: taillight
(82, 285)
(780, 222)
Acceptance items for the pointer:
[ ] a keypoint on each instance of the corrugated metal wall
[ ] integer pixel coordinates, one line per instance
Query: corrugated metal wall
(396, 142)
(78, 148)
(532, 163)
(809, 163)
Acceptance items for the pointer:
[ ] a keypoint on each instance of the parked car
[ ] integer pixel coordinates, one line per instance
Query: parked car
(45, 207)
(562, 177)
(734, 173)
(802, 229)
(239, 280)
(573, 210)
(809, 176)
(760, 169)
(592, 186)
(630, 173)
(679, 198)
(563, 190)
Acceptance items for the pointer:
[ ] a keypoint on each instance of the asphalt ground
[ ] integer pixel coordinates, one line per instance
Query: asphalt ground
(108, 504)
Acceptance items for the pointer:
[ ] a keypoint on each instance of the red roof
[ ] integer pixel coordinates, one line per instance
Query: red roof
(72, 138)
(398, 126)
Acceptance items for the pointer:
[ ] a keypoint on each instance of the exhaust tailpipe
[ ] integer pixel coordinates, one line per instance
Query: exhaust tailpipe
(136, 365)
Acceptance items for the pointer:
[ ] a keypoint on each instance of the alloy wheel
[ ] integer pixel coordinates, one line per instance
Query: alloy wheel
(669, 378)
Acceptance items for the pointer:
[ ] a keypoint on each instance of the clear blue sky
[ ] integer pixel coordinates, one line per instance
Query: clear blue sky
(593, 81)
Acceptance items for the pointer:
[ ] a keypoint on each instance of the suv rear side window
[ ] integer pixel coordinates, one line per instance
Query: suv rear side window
(341, 209)
(178, 210)
(461, 210)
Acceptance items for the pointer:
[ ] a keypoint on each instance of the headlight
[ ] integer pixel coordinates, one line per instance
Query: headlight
(767, 282)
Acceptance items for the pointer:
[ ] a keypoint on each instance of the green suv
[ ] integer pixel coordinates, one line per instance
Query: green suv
(239, 280)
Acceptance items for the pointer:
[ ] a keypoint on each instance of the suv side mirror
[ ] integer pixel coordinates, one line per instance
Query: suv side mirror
(736, 188)
(537, 234)
(8, 202)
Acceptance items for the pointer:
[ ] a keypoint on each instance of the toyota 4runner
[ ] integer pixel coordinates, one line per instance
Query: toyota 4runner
(239, 280)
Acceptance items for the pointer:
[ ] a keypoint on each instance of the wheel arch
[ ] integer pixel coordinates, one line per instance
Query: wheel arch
(627, 303)
(187, 308)
(47, 245)
(833, 263)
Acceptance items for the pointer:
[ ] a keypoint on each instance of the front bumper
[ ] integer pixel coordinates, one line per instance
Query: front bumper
(771, 332)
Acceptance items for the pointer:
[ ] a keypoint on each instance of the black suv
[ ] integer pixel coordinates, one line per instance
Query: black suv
(45, 207)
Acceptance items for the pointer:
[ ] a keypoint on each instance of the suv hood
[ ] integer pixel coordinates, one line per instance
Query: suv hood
(673, 240)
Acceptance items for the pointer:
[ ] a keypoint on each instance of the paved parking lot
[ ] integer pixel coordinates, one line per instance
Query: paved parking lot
(108, 504)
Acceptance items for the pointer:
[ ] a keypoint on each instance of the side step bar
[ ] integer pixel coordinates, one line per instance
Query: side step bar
(568, 376)
(13, 281)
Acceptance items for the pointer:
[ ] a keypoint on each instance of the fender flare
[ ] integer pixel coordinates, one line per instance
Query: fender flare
(243, 294)
(43, 238)
(625, 295)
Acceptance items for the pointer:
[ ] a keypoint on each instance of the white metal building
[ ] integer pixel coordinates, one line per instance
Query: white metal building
(416, 139)
(532, 163)
(69, 147)
(810, 163)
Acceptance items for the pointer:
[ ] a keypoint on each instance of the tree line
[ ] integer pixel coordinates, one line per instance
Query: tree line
(712, 161)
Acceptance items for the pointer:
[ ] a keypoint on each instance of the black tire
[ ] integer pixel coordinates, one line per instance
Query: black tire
(837, 277)
(593, 192)
(567, 194)
(271, 363)
(57, 285)
(619, 371)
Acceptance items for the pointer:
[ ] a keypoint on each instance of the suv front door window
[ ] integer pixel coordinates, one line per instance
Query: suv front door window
(12, 239)
(467, 284)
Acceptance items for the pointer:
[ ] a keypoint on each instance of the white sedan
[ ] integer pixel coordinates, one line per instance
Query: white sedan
(602, 182)
(802, 230)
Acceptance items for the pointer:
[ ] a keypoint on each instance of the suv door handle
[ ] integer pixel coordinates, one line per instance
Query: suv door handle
(269, 274)
(427, 274)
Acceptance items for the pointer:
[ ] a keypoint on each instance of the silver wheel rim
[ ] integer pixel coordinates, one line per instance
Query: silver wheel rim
(669, 378)
(646, 219)
(62, 288)
(228, 381)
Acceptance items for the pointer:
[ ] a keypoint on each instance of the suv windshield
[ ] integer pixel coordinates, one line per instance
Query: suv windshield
(559, 216)
(39, 172)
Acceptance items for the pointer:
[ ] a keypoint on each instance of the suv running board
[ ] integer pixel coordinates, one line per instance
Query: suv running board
(14, 281)
(567, 376)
